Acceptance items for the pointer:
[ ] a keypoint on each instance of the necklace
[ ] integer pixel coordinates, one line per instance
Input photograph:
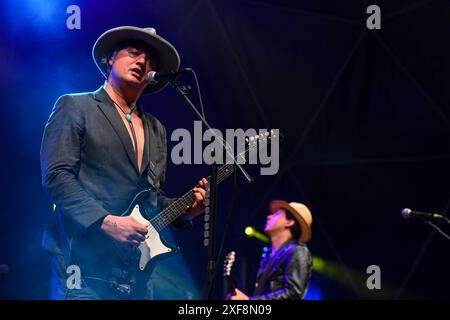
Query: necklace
(128, 115)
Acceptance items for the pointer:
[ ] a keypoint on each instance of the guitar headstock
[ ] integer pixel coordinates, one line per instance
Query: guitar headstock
(252, 144)
(265, 136)
(227, 266)
(248, 151)
(228, 263)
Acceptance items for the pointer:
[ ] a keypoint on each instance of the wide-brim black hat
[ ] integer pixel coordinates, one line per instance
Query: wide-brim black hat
(168, 57)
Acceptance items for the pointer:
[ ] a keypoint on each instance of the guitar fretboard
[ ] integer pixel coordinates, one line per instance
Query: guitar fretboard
(179, 206)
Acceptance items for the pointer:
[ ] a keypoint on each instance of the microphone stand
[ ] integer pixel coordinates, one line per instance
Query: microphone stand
(210, 227)
(436, 227)
(210, 216)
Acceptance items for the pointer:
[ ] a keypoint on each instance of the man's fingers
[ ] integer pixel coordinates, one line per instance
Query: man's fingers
(203, 183)
(139, 227)
(135, 237)
(199, 193)
(202, 192)
(133, 243)
(195, 192)
(138, 237)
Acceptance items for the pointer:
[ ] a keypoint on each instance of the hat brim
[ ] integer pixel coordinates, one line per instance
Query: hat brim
(306, 233)
(168, 57)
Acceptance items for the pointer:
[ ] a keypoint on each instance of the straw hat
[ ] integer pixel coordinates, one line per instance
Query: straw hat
(301, 214)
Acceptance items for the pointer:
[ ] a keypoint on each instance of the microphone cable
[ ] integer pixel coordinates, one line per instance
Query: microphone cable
(200, 99)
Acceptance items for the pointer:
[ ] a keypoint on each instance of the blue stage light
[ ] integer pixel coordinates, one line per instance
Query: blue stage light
(35, 16)
(37, 11)
(314, 292)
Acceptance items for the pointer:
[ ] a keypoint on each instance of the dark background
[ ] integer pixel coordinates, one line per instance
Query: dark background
(365, 115)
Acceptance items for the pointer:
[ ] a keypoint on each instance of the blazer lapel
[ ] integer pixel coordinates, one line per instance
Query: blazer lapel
(152, 153)
(107, 107)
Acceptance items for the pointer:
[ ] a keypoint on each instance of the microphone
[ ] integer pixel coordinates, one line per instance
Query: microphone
(154, 77)
(408, 213)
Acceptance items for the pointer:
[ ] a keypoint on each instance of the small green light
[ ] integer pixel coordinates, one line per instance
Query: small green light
(249, 231)
(318, 264)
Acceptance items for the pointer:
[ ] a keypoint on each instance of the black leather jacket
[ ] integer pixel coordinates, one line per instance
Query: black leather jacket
(285, 274)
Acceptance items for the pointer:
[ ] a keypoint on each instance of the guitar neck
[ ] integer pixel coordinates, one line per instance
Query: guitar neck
(231, 286)
(180, 205)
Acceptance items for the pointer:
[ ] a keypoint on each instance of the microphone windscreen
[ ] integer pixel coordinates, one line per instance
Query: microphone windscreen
(150, 77)
(406, 213)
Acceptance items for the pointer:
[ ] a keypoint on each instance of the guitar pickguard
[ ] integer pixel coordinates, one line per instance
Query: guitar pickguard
(152, 246)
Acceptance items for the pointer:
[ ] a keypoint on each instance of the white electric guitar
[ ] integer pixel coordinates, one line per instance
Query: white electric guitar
(142, 259)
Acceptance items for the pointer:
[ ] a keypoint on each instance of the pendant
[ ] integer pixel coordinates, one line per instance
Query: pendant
(128, 116)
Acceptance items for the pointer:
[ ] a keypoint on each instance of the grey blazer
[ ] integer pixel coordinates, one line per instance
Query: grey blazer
(89, 169)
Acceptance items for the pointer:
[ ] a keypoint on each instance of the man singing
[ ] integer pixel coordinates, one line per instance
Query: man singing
(100, 149)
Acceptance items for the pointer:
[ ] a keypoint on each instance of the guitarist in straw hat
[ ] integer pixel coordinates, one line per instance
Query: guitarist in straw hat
(285, 271)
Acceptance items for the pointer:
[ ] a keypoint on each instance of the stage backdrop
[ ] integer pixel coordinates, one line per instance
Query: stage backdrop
(365, 115)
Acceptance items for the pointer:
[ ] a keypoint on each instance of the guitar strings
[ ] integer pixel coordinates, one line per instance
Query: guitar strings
(169, 214)
(161, 221)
